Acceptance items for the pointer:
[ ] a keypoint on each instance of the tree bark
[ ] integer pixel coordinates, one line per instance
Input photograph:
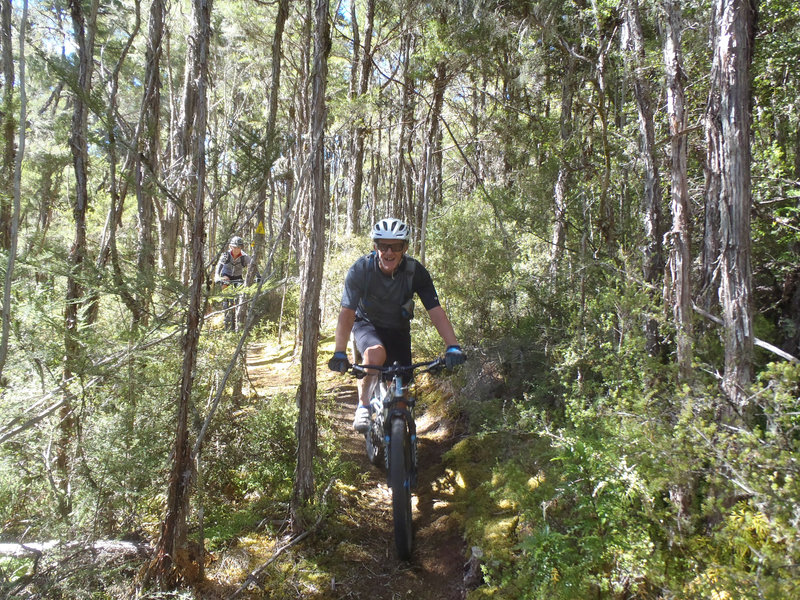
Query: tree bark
(679, 285)
(312, 275)
(9, 124)
(402, 205)
(734, 29)
(432, 150)
(78, 143)
(117, 193)
(16, 196)
(302, 158)
(148, 162)
(354, 203)
(652, 263)
(560, 189)
(173, 562)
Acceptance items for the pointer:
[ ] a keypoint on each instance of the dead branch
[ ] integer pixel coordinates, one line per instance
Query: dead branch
(760, 343)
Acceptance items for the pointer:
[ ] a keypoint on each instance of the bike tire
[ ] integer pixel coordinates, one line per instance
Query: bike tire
(373, 437)
(228, 315)
(399, 477)
(374, 444)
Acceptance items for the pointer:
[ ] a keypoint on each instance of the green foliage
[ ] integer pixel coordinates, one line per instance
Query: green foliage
(488, 298)
(252, 455)
(635, 487)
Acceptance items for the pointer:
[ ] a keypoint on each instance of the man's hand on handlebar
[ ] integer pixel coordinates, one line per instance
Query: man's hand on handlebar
(339, 362)
(453, 357)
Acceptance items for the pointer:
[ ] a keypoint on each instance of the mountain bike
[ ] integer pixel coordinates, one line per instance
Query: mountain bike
(232, 302)
(392, 439)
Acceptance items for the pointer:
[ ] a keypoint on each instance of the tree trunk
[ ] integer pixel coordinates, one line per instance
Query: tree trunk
(354, 204)
(117, 192)
(16, 196)
(401, 207)
(560, 190)
(679, 287)
(277, 41)
(272, 112)
(9, 124)
(148, 162)
(78, 143)
(734, 29)
(173, 562)
(608, 224)
(312, 275)
(431, 151)
(652, 264)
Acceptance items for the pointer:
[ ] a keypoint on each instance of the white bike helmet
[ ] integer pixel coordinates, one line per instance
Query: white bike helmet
(390, 229)
(237, 241)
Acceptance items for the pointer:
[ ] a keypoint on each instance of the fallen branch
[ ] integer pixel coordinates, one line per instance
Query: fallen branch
(33, 549)
(760, 343)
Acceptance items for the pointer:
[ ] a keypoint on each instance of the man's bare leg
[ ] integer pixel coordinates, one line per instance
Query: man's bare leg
(374, 355)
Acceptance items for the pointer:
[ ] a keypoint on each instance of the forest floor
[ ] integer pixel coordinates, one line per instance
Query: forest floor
(351, 554)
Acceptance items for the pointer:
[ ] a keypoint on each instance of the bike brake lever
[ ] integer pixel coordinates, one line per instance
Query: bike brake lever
(437, 368)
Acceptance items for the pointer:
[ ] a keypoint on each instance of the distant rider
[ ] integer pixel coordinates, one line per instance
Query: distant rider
(230, 271)
(377, 306)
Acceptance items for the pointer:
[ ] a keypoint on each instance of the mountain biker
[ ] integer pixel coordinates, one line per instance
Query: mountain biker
(377, 306)
(230, 270)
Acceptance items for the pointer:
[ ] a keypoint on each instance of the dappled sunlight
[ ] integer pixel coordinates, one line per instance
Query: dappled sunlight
(233, 565)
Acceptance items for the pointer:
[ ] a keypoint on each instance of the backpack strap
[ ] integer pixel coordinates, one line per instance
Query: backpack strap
(368, 277)
(410, 266)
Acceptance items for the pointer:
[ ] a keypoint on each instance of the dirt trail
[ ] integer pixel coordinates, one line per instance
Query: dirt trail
(359, 547)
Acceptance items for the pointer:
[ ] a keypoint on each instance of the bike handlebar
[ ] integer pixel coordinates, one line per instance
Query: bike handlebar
(432, 366)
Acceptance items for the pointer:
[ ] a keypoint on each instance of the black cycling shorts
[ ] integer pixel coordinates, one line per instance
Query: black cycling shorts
(397, 342)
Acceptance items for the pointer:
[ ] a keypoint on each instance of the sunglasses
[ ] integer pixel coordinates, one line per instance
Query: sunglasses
(393, 247)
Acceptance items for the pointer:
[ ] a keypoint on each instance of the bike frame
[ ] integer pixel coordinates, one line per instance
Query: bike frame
(395, 415)
(394, 398)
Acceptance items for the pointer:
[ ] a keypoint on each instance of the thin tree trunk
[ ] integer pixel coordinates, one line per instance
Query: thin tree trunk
(402, 196)
(78, 143)
(9, 124)
(108, 249)
(16, 198)
(354, 204)
(431, 151)
(679, 288)
(652, 264)
(148, 162)
(272, 112)
(312, 275)
(302, 158)
(173, 562)
(560, 189)
(733, 49)
(608, 224)
(277, 41)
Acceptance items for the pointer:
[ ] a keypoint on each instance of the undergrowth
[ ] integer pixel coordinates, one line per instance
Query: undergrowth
(630, 485)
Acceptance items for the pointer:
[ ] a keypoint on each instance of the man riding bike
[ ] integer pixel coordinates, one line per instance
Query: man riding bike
(230, 270)
(377, 306)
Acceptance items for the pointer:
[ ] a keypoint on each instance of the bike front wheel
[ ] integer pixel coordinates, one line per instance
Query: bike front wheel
(230, 318)
(374, 443)
(400, 480)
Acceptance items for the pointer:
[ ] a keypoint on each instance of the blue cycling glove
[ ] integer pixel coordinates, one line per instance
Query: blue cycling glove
(454, 356)
(339, 362)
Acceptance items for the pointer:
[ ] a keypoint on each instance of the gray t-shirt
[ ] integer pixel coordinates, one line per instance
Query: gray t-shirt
(232, 267)
(378, 298)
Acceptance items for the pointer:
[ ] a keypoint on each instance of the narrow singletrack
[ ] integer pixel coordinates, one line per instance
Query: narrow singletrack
(359, 546)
